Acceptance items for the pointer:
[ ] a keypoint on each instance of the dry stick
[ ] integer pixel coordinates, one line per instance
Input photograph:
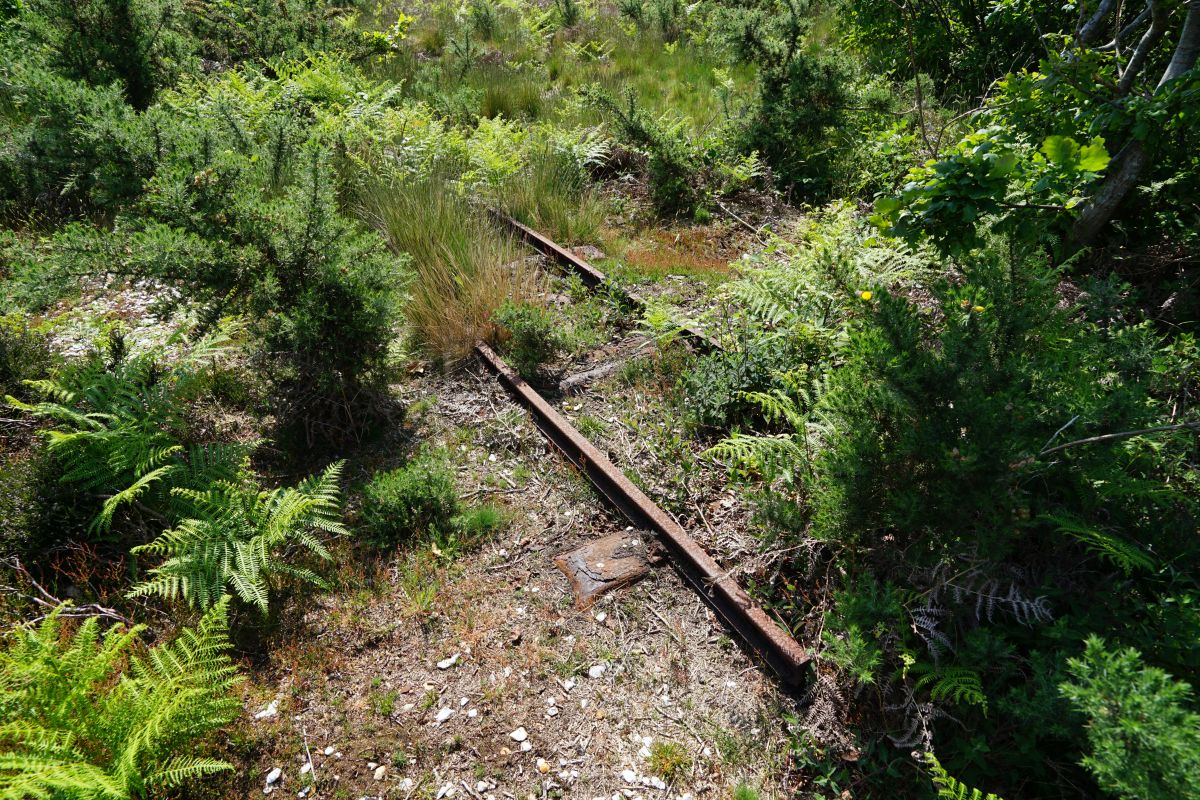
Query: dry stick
(311, 766)
(1112, 437)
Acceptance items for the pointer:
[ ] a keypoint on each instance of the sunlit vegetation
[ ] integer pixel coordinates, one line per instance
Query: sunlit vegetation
(955, 292)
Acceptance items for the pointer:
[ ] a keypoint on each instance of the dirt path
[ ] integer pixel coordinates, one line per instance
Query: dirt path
(644, 695)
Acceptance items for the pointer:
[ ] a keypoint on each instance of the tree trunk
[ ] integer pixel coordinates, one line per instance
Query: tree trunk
(1129, 163)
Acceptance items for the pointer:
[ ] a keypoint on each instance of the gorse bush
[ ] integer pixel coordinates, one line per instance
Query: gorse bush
(1143, 737)
(955, 423)
(88, 716)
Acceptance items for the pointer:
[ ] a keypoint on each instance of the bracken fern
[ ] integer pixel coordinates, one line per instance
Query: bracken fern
(238, 538)
(77, 724)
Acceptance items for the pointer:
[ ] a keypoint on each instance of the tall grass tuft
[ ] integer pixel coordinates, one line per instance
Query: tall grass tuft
(553, 194)
(462, 268)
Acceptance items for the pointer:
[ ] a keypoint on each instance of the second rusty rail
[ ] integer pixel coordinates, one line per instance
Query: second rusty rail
(592, 278)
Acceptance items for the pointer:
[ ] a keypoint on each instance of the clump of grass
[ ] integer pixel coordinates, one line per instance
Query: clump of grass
(553, 194)
(462, 268)
(668, 760)
(744, 791)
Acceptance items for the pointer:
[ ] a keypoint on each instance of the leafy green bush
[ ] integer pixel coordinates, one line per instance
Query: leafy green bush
(1144, 737)
(85, 716)
(410, 501)
(716, 388)
(531, 339)
(673, 165)
(140, 45)
(24, 355)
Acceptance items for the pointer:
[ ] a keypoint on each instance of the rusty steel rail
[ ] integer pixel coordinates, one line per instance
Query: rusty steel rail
(778, 648)
(592, 278)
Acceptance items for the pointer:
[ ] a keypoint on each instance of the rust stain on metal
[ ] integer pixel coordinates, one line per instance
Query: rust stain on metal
(778, 648)
(592, 277)
(608, 563)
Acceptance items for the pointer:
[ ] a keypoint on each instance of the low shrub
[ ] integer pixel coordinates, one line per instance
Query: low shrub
(24, 355)
(530, 338)
(409, 501)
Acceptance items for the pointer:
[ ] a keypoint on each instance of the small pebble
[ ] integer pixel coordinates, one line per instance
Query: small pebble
(380, 771)
(329, 750)
(444, 715)
(447, 663)
(519, 735)
(629, 776)
(543, 766)
(273, 775)
(526, 747)
(601, 617)
(597, 670)
(473, 713)
(307, 768)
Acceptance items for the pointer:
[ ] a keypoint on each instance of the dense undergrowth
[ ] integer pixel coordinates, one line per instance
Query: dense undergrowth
(966, 416)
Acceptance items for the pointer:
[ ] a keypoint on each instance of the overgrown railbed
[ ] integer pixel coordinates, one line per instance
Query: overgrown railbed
(950, 437)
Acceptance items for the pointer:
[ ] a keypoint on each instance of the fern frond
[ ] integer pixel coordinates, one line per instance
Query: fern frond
(75, 722)
(955, 684)
(1119, 552)
(950, 789)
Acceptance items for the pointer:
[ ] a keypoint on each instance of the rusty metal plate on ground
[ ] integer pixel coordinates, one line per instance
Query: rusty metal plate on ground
(603, 565)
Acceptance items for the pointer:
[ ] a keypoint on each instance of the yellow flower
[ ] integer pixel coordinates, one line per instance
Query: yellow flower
(978, 309)
(865, 295)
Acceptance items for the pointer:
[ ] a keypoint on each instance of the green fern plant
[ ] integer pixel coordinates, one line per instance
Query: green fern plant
(239, 538)
(960, 685)
(119, 426)
(1116, 550)
(950, 789)
(84, 717)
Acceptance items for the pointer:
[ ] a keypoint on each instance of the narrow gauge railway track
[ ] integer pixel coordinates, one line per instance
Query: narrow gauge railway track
(592, 278)
(779, 649)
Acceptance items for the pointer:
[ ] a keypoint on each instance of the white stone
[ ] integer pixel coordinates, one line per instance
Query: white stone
(629, 776)
(568, 685)
(481, 786)
(552, 711)
(551, 700)
(406, 785)
(447, 663)
(543, 766)
(473, 713)
(273, 775)
(463, 702)
(601, 617)
(519, 735)
(380, 771)
(372, 764)
(526, 747)
(444, 715)
(307, 768)
(446, 791)
(329, 750)
(597, 670)
(271, 710)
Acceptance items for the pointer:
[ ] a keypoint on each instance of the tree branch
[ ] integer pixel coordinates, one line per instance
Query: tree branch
(1114, 437)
